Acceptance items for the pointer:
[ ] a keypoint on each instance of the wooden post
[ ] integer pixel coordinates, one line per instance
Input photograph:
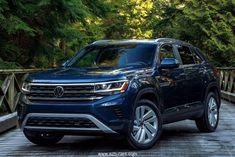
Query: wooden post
(11, 92)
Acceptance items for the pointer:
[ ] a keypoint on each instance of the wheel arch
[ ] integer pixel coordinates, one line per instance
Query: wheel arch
(150, 94)
(213, 87)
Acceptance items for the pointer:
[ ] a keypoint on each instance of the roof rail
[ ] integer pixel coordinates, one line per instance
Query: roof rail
(165, 39)
(171, 40)
(101, 41)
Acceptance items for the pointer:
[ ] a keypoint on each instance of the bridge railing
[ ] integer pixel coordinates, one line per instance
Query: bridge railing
(10, 82)
(227, 83)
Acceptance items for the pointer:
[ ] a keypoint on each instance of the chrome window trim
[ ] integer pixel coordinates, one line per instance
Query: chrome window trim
(99, 124)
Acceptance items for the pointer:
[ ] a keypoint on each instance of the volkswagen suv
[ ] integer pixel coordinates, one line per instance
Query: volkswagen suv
(127, 87)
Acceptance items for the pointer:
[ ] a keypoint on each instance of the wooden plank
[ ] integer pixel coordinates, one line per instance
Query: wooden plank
(7, 105)
(226, 79)
(11, 92)
(3, 101)
(226, 68)
(8, 121)
(8, 71)
(231, 80)
(228, 96)
(6, 84)
(17, 85)
(181, 139)
(221, 78)
(17, 97)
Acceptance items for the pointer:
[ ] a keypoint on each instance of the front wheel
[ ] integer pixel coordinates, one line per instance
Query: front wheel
(43, 139)
(210, 119)
(146, 126)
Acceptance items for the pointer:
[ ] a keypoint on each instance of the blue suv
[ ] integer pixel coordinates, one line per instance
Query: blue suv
(127, 87)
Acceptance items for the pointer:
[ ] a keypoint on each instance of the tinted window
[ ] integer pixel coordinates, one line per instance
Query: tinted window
(186, 55)
(197, 58)
(116, 56)
(200, 54)
(166, 51)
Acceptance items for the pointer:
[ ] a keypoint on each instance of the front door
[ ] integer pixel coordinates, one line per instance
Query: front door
(172, 81)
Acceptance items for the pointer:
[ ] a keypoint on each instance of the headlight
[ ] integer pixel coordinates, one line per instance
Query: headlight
(26, 87)
(113, 86)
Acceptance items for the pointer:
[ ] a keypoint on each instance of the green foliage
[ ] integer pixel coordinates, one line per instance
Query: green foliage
(129, 19)
(33, 31)
(8, 65)
(208, 24)
(42, 33)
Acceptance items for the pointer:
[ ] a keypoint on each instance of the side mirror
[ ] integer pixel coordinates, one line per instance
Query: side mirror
(168, 63)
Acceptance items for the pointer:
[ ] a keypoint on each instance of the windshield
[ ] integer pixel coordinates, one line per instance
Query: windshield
(115, 56)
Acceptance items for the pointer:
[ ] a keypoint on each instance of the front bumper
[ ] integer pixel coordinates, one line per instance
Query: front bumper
(108, 115)
(52, 122)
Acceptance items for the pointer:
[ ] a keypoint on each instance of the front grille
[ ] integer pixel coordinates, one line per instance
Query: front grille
(60, 122)
(39, 92)
(40, 88)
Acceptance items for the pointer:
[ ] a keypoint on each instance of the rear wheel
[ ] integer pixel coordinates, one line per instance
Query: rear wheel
(43, 139)
(146, 126)
(210, 119)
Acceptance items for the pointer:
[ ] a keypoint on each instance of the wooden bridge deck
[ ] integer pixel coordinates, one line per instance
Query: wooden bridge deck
(178, 139)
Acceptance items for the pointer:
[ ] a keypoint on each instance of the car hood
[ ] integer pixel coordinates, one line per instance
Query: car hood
(77, 75)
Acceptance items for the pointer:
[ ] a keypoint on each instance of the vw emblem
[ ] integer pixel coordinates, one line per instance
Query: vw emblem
(58, 91)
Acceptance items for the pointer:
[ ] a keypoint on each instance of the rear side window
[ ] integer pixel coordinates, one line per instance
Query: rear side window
(186, 55)
(199, 52)
(197, 58)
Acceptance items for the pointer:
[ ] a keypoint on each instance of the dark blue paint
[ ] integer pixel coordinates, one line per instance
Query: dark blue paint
(173, 86)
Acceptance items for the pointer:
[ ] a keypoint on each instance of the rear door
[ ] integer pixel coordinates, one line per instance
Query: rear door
(194, 73)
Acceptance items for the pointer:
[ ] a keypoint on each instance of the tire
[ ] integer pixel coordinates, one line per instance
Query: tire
(43, 139)
(210, 118)
(147, 131)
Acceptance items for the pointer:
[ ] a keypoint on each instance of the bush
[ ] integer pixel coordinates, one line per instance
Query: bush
(9, 65)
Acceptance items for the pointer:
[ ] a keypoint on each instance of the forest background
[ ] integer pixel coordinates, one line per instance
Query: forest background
(42, 33)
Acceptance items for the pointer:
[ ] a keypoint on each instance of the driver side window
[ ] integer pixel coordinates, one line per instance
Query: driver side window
(166, 51)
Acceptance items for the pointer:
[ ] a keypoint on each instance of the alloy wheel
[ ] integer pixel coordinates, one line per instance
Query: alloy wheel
(212, 111)
(145, 125)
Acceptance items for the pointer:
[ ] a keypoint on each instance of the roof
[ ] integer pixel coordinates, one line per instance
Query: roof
(150, 41)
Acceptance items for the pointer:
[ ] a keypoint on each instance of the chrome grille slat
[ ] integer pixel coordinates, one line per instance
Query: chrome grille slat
(65, 99)
(70, 92)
